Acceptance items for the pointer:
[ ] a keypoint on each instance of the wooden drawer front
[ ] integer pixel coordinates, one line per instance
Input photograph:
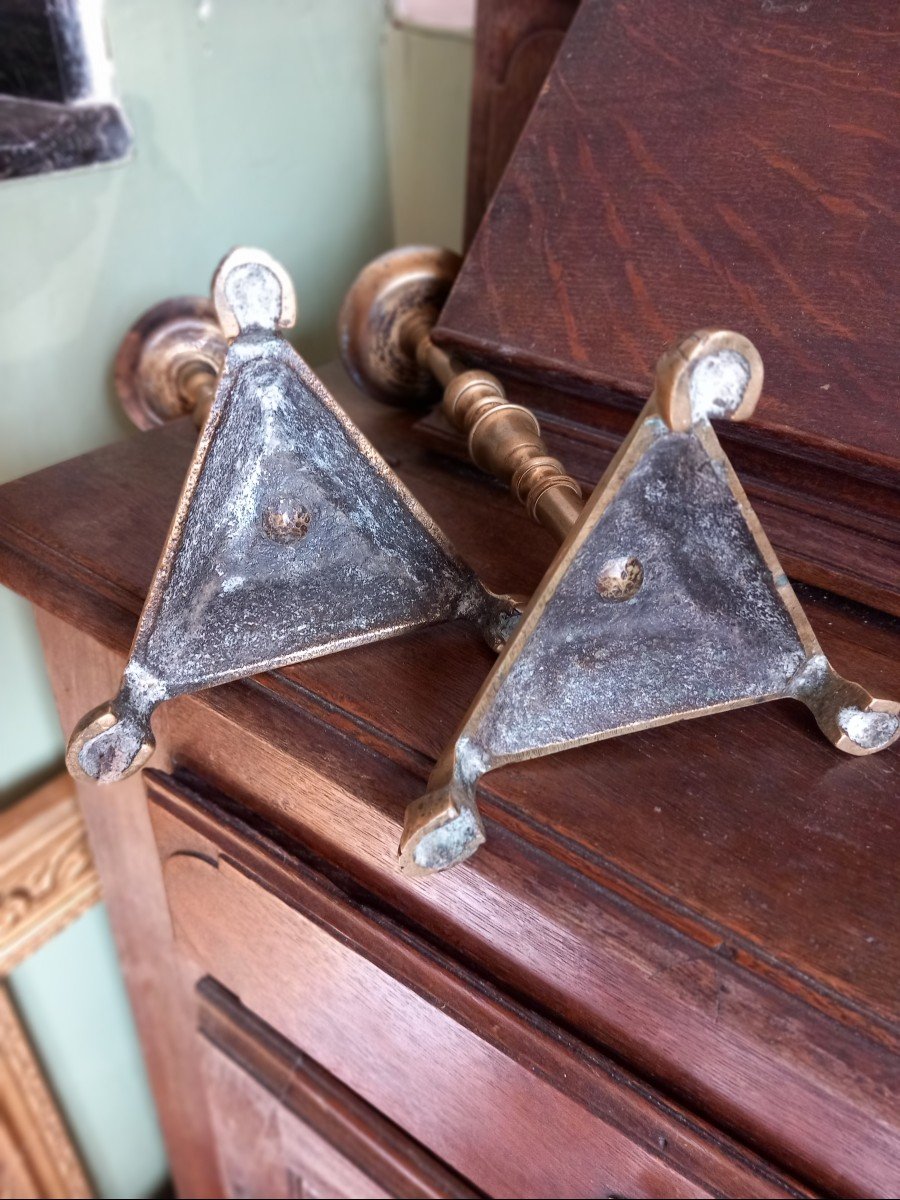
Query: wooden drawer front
(513, 1104)
(287, 1128)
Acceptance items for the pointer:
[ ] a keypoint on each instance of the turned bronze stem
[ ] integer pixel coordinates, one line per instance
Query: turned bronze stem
(385, 329)
(503, 438)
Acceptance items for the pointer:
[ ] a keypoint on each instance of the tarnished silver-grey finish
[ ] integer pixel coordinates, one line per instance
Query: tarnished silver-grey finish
(292, 537)
(707, 628)
(666, 601)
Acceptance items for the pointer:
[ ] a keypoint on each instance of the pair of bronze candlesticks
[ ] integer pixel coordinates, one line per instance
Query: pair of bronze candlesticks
(293, 539)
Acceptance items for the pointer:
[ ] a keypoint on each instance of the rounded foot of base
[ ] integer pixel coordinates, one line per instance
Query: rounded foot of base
(440, 831)
(105, 748)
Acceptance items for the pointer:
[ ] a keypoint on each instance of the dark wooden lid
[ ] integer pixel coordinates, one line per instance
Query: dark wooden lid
(733, 166)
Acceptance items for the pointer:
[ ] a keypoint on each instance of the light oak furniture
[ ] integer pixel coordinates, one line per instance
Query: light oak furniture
(673, 969)
(47, 880)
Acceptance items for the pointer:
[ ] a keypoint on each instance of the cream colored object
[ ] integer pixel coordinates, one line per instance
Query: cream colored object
(444, 16)
(428, 85)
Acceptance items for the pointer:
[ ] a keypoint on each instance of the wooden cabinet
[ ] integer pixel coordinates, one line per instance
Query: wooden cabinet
(673, 969)
(519, 1106)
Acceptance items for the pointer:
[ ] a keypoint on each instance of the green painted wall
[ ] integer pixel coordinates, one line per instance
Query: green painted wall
(257, 123)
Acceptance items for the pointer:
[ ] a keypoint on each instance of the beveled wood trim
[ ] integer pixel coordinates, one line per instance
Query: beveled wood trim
(668, 1131)
(37, 1157)
(47, 876)
(833, 524)
(381, 1149)
(122, 845)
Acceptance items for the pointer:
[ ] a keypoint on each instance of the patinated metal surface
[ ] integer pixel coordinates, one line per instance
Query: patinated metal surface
(385, 333)
(292, 537)
(665, 601)
(409, 284)
(706, 629)
(173, 349)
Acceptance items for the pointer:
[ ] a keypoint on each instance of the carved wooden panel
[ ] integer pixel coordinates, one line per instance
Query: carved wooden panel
(479, 1080)
(265, 1151)
(287, 1127)
(47, 876)
(47, 880)
(515, 44)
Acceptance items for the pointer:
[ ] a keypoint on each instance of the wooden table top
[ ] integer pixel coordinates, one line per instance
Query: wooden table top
(715, 900)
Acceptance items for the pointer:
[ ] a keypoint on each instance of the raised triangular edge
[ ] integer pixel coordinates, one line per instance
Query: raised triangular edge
(254, 299)
(711, 374)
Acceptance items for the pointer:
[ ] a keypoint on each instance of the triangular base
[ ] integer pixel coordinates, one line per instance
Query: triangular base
(292, 537)
(666, 601)
(662, 607)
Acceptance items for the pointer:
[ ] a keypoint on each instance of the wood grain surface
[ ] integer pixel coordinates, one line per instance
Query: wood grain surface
(712, 903)
(326, 1137)
(735, 169)
(464, 1070)
(122, 845)
(516, 42)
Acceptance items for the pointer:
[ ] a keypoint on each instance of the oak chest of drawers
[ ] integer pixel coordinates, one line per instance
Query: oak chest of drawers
(671, 971)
